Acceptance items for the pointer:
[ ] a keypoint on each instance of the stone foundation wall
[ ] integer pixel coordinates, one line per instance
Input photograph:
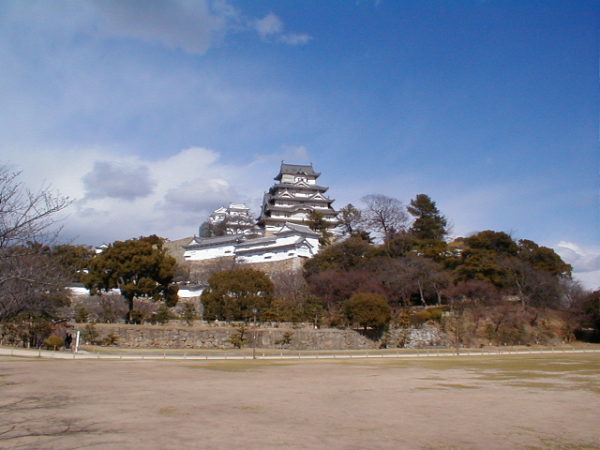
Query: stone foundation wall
(201, 270)
(159, 336)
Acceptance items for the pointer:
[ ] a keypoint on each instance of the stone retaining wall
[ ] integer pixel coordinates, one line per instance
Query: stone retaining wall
(149, 336)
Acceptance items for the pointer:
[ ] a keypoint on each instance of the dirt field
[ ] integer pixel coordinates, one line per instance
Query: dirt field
(535, 401)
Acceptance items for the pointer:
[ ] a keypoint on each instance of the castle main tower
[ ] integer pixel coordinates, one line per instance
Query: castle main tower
(294, 197)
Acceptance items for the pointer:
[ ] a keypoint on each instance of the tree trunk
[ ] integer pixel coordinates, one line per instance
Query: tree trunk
(130, 309)
(421, 293)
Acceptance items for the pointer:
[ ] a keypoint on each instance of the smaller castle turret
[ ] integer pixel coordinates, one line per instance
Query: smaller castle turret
(233, 220)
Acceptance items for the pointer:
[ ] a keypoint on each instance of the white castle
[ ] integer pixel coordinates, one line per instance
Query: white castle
(235, 219)
(283, 223)
(293, 199)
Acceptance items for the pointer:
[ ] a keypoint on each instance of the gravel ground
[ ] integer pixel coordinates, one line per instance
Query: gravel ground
(535, 401)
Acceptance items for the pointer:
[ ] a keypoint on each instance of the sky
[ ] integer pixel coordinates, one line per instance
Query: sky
(149, 115)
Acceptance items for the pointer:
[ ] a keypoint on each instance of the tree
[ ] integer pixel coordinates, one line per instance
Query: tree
(317, 222)
(235, 294)
(429, 223)
(349, 254)
(31, 283)
(336, 286)
(495, 241)
(26, 216)
(384, 215)
(350, 220)
(138, 268)
(412, 278)
(590, 320)
(483, 265)
(189, 313)
(75, 259)
(368, 310)
(543, 258)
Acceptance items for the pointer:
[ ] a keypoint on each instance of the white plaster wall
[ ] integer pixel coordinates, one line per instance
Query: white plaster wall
(189, 293)
(205, 253)
(261, 256)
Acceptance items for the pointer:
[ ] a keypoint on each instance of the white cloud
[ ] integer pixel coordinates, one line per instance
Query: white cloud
(107, 179)
(192, 26)
(582, 259)
(138, 195)
(295, 39)
(271, 27)
(585, 262)
(289, 153)
(199, 194)
(295, 153)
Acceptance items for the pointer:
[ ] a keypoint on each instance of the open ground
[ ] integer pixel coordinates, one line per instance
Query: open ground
(520, 401)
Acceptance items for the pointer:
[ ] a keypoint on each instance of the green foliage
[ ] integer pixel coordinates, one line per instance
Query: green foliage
(350, 219)
(138, 268)
(429, 223)
(317, 222)
(238, 339)
(81, 314)
(434, 249)
(483, 265)
(74, 259)
(188, 314)
(543, 258)
(368, 310)
(497, 242)
(346, 255)
(54, 342)
(234, 294)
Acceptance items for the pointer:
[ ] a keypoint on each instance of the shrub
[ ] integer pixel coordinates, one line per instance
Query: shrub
(286, 339)
(238, 339)
(81, 314)
(426, 315)
(54, 342)
(136, 317)
(162, 316)
(111, 339)
(368, 310)
(90, 334)
(188, 314)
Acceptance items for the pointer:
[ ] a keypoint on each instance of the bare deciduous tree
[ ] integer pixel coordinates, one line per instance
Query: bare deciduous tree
(386, 216)
(30, 279)
(26, 216)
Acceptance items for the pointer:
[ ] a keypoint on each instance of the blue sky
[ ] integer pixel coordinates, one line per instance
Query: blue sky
(151, 114)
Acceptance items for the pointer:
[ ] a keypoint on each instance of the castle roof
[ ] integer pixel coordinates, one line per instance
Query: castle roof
(209, 242)
(296, 169)
(303, 229)
(299, 186)
(298, 241)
